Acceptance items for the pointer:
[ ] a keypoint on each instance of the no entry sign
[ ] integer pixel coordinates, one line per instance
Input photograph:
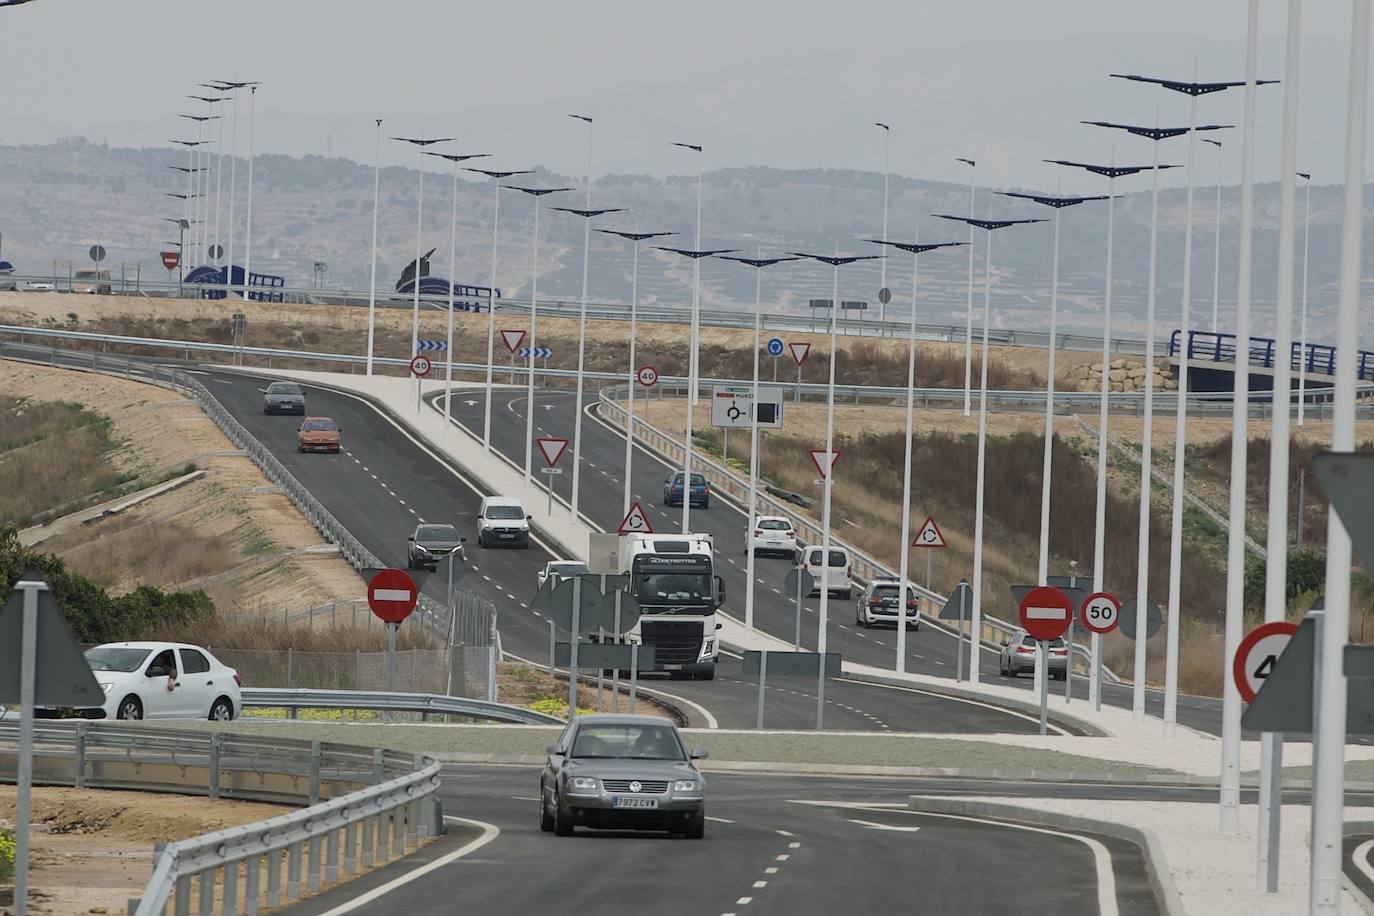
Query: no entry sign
(1046, 612)
(392, 595)
(1101, 612)
(1256, 654)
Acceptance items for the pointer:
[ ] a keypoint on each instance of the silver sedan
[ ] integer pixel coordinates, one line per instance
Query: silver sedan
(622, 772)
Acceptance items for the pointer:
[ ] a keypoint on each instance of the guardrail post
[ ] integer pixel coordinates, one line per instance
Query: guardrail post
(182, 904)
(293, 871)
(206, 880)
(398, 831)
(251, 890)
(216, 745)
(312, 880)
(79, 756)
(350, 851)
(315, 755)
(368, 823)
(229, 903)
(377, 765)
(274, 879)
(331, 861)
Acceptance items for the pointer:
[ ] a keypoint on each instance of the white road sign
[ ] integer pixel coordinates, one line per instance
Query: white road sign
(800, 351)
(823, 461)
(648, 376)
(512, 339)
(636, 521)
(929, 535)
(731, 405)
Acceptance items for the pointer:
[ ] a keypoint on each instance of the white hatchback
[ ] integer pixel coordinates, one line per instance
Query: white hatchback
(162, 680)
(773, 534)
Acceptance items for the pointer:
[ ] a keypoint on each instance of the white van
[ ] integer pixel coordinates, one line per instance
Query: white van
(502, 520)
(833, 576)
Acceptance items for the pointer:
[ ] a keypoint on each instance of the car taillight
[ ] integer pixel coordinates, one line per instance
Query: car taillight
(1060, 651)
(757, 532)
(911, 603)
(238, 680)
(1022, 650)
(874, 601)
(791, 534)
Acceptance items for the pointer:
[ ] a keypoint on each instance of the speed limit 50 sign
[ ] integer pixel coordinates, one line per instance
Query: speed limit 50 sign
(1101, 612)
(1255, 656)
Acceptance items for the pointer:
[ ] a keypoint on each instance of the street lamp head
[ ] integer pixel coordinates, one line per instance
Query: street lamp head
(497, 174)
(1216, 143)
(206, 99)
(1156, 133)
(988, 224)
(458, 157)
(1188, 88)
(887, 127)
(535, 192)
(423, 142)
(182, 168)
(838, 260)
(579, 117)
(970, 162)
(1109, 171)
(691, 146)
(762, 262)
(1305, 175)
(635, 236)
(588, 214)
(190, 142)
(198, 117)
(697, 255)
(1051, 201)
(916, 247)
(226, 84)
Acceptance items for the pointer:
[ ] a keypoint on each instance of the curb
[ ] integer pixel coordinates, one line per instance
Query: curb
(1156, 864)
(1349, 828)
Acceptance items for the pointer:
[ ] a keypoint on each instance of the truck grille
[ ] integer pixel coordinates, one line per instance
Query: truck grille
(646, 786)
(674, 642)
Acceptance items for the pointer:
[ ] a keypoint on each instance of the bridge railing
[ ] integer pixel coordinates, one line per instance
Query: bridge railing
(1220, 347)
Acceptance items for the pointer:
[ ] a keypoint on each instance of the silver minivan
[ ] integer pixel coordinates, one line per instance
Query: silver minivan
(503, 520)
(833, 576)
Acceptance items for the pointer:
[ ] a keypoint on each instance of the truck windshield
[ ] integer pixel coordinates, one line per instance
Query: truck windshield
(666, 587)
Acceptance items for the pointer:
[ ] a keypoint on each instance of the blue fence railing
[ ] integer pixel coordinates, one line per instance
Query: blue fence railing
(1317, 359)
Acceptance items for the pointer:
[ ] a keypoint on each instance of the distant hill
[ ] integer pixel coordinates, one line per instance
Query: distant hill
(57, 200)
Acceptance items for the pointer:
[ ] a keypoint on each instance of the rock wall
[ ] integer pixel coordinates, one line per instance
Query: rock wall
(1124, 375)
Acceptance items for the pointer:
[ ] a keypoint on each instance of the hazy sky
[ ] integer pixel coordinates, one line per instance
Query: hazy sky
(790, 84)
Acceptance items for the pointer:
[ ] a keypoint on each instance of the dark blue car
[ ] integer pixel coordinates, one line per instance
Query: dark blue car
(701, 491)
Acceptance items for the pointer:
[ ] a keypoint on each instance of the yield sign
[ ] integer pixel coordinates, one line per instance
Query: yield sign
(636, 521)
(552, 447)
(824, 460)
(512, 339)
(800, 351)
(929, 535)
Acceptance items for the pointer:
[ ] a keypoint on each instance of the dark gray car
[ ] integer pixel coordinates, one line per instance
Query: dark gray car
(431, 544)
(622, 772)
(284, 397)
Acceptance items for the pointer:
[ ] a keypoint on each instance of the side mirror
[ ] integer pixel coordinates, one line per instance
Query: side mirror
(411, 538)
(720, 626)
(529, 518)
(700, 753)
(553, 750)
(462, 540)
(157, 671)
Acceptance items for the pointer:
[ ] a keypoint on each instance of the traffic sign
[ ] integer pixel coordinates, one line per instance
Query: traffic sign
(824, 462)
(1257, 653)
(959, 604)
(431, 345)
(216, 251)
(552, 447)
(392, 594)
(884, 295)
(1152, 619)
(1101, 612)
(1046, 613)
(798, 581)
(775, 346)
(800, 351)
(648, 376)
(512, 339)
(929, 535)
(537, 352)
(420, 366)
(732, 406)
(1347, 478)
(97, 253)
(636, 521)
(171, 259)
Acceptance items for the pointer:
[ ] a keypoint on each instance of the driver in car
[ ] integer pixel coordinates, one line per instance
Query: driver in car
(166, 660)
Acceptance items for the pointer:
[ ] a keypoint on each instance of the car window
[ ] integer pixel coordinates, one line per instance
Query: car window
(283, 388)
(568, 569)
(115, 658)
(505, 512)
(813, 557)
(1027, 640)
(166, 660)
(775, 524)
(633, 741)
(839, 558)
(885, 591)
(193, 662)
(436, 533)
(311, 426)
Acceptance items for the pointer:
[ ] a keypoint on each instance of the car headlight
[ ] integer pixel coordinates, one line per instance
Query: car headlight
(708, 647)
(582, 782)
(420, 549)
(686, 785)
(106, 688)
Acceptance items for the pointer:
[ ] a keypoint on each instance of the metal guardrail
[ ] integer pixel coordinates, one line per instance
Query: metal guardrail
(725, 480)
(378, 801)
(1319, 359)
(423, 703)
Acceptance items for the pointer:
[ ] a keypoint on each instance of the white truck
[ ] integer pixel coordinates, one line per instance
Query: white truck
(672, 577)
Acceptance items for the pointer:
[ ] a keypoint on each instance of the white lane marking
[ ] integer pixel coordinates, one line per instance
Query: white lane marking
(782, 857)
(874, 825)
(411, 511)
(718, 820)
(771, 870)
(759, 884)
(794, 845)
(489, 833)
(401, 501)
(525, 798)
(953, 699)
(784, 832)
(1361, 858)
(744, 901)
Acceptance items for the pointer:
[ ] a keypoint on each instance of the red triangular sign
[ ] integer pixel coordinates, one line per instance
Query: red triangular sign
(636, 521)
(552, 447)
(512, 339)
(929, 535)
(823, 462)
(800, 351)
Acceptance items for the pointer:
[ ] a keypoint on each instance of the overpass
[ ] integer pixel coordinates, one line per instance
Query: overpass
(1211, 363)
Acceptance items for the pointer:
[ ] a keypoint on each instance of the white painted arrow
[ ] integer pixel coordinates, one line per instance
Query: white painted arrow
(872, 825)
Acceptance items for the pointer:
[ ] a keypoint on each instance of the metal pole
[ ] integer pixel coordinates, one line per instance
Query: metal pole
(553, 645)
(576, 638)
(419, 228)
(372, 289)
(751, 513)
(1216, 248)
(634, 674)
(529, 382)
(491, 322)
(826, 489)
(391, 629)
(763, 675)
(1235, 571)
(1304, 359)
(905, 545)
(968, 311)
(634, 380)
(1044, 653)
(28, 673)
(233, 194)
(1103, 443)
(582, 337)
(1302, 508)
(882, 265)
(1328, 787)
(1047, 461)
(977, 614)
(452, 272)
(959, 644)
(796, 637)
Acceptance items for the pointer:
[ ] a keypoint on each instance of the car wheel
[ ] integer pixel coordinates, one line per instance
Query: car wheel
(562, 821)
(222, 710)
(848, 594)
(696, 827)
(545, 819)
(481, 542)
(129, 708)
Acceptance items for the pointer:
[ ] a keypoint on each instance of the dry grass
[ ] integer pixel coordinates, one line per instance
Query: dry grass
(167, 552)
(51, 454)
(247, 632)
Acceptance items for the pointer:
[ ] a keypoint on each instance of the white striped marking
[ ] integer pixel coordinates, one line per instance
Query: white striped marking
(1046, 613)
(393, 594)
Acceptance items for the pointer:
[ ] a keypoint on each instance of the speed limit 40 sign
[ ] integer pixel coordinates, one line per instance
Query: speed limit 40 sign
(1101, 612)
(1257, 653)
(647, 376)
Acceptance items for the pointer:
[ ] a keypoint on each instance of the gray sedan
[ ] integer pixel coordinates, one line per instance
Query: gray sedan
(622, 772)
(284, 397)
(430, 544)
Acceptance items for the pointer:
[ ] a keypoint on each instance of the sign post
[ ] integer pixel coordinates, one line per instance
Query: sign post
(1045, 614)
(797, 581)
(800, 351)
(775, 348)
(552, 448)
(420, 366)
(1100, 613)
(392, 595)
(794, 664)
(1076, 587)
(957, 607)
(648, 377)
(929, 537)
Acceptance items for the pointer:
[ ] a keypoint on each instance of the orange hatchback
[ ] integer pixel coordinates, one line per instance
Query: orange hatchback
(318, 434)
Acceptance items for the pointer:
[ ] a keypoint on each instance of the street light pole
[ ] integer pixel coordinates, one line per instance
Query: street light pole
(219, 172)
(968, 310)
(537, 194)
(419, 145)
(1216, 245)
(916, 249)
(376, 201)
(750, 514)
(694, 367)
(497, 177)
(976, 621)
(1302, 337)
(882, 265)
(233, 174)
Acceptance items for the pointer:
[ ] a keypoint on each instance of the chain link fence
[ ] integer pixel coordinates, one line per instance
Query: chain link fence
(463, 671)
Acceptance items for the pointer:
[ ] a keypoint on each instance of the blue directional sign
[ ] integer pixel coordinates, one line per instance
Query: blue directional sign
(539, 352)
(431, 345)
(775, 346)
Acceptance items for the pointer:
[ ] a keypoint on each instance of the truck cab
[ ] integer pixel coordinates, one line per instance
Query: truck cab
(672, 578)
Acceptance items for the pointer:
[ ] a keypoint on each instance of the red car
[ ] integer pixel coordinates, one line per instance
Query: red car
(318, 434)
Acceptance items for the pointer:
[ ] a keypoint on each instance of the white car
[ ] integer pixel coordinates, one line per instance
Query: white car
(503, 520)
(162, 680)
(834, 576)
(38, 286)
(772, 534)
(561, 569)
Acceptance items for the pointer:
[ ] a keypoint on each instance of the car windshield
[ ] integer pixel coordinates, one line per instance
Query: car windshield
(568, 569)
(115, 658)
(630, 741)
(505, 512)
(697, 480)
(318, 426)
(775, 524)
(674, 586)
(283, 388)
(436, 533)
(837, 558)
(885, 592)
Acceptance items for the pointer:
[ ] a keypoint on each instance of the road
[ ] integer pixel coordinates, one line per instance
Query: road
(774, 845)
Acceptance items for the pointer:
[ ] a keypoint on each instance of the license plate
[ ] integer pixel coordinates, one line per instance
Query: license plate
(505, 534)
(672, 667)
(620, 801)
